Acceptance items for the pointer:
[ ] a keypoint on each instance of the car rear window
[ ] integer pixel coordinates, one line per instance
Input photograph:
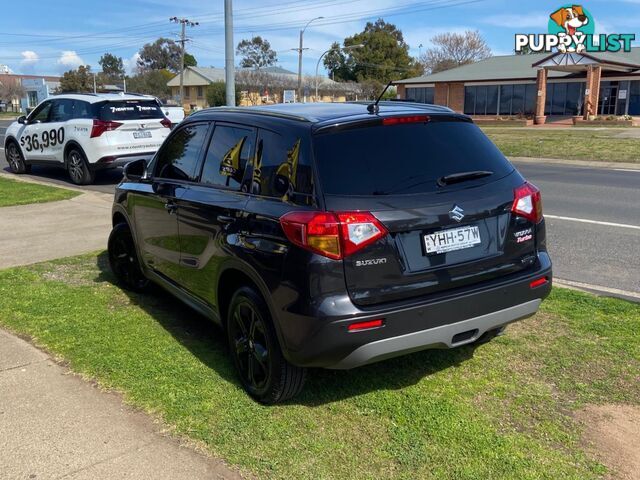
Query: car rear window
(403, 159)
(129, 110)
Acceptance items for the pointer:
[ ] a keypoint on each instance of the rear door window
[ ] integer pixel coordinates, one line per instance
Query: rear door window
(281, 168)
(129, 110)
(403, 159)
(61, 110)
(229, 151)
(179, 156)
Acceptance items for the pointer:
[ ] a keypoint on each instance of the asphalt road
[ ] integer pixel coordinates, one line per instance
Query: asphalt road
(593, 220)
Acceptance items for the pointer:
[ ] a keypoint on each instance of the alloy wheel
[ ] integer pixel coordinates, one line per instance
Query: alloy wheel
(251, 347)
(76, 166)
(124, 262)
(13, 157)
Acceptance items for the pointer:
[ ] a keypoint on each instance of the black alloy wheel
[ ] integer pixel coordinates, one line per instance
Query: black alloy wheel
(264, 372)
(123, 259)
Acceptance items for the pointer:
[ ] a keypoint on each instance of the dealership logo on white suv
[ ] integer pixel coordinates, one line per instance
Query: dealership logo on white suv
(87, 132)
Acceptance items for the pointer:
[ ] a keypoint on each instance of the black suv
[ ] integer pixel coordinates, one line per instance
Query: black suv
(323, 235)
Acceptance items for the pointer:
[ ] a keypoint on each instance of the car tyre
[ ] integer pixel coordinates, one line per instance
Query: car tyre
(78, 167)
(15, 159)
(123, 259)
(264, 372)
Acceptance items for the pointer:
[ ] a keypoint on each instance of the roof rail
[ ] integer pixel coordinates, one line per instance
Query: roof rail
(254, 111)
(76, 93)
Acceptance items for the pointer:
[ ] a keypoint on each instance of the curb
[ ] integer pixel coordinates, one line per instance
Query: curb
(20, 178)
(578, 163)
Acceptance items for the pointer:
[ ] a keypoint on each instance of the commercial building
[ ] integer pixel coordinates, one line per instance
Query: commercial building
(36, 89)
(540, 86)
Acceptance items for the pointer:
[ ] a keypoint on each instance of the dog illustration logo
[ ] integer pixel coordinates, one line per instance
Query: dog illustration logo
(573, 21)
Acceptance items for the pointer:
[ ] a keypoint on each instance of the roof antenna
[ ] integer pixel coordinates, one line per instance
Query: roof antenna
(374, 108)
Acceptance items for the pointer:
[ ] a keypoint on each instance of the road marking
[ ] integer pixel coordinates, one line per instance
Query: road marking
(595, 222)
(626, 170)
(597, 288)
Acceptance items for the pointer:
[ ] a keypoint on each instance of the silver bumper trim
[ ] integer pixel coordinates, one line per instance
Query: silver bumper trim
(437, 337)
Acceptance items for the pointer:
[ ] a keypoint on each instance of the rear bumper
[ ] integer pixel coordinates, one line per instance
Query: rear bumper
(467, 331)
(441, 322)
(115, 161)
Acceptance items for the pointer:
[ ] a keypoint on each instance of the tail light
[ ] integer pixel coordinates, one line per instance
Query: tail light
(101, 126)
(527, 202)
(166, 122)
(404, 120)
(366, 325)
(332, 234)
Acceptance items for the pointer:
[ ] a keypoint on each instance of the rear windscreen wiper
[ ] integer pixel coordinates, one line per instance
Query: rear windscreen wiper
(463, 177)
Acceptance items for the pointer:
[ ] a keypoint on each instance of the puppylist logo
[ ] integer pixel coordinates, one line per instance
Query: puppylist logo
(572, 29)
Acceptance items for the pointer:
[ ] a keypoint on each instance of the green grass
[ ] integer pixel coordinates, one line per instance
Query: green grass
(571, 144)
(502, 410)
(22, 193)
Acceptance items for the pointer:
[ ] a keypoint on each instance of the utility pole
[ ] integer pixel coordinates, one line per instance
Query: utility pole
(184, 22)
(299, 50)
(229, 67)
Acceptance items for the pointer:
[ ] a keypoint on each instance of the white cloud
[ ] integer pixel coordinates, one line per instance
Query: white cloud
(70, 58)
(131, 64)
(29, 58)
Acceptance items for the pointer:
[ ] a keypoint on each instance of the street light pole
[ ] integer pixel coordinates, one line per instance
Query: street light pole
(229, 68)
(300, 48)
(323, 54)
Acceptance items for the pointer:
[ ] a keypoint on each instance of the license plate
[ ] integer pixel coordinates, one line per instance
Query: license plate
(452, 239)
(142, 134)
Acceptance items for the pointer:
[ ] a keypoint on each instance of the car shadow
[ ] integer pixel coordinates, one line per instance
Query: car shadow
(207, 342)
(60, 176)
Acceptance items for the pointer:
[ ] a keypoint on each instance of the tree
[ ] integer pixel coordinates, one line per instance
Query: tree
(80, 80)
(452, 50)
(525, 50)
(190, 60)
(163, 54)
(256, 53)
(217, 94)
(384, 56)
(153, 82)
(337, 64)
(11, 90)
(112, 66)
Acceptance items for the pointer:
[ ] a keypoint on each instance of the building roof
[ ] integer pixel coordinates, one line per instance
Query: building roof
(201, 76)
(512, 67)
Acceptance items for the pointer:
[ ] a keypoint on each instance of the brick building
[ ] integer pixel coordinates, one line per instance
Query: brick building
(540, 86)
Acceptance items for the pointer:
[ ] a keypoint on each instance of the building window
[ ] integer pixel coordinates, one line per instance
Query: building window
(518, 99)
(32, 99)
(200, 92)
(421, 94)
(634, 98)
(564, 99)
(187, 92)
(481, 100)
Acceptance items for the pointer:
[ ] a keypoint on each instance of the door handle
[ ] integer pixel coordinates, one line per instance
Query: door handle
(171, 207)
(225, 219)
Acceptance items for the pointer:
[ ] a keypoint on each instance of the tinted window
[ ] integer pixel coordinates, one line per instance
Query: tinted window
(403, 159)
(281, 168)
(41, 114)
(61, 110)
(227, 156)
(81, 109)
(179, 156)
(129, 110)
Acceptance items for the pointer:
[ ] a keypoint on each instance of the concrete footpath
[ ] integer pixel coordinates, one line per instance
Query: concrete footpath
(45, 231)
(53, 424)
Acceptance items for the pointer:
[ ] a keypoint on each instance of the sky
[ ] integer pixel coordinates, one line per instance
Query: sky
(51, 37)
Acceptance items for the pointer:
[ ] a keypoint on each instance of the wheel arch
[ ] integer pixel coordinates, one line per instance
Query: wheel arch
(237, 275)
(68, 146)
(11, 139)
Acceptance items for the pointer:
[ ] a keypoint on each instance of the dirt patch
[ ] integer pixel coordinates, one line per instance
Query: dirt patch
(613, 435)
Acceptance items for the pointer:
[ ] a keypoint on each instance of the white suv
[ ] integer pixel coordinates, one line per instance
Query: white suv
(87, 132)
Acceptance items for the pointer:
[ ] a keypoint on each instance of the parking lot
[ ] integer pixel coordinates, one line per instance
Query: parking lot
(593, 220)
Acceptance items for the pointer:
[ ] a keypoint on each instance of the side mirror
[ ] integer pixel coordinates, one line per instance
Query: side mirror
(135, 170)
(22, 119)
